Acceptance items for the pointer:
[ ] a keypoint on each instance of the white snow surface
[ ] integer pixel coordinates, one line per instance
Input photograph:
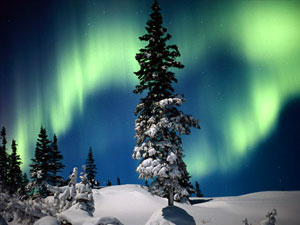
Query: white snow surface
(134, 205)
(47, 220)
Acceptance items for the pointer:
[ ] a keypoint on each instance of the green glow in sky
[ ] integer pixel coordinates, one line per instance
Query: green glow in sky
(98, 53)
(87, 61)
(267, 35)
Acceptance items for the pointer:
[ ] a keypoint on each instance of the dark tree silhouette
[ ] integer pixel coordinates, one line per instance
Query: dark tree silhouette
(40, 166)
(198, 191)
(55, 158)
(108, 183)
(118, 181)
(3, 160)
(160, 124)
(14, 175)
(91, 169)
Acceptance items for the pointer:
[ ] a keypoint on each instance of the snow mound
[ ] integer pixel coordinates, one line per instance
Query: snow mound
(47, 220)
(171, 215)
(77, 216)
(106, 221)
(131, 204)
(74, 215)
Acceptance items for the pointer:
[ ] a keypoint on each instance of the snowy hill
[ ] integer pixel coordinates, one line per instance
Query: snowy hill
(134, 205)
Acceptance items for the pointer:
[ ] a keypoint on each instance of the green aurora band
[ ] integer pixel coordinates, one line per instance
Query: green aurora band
(99, 53)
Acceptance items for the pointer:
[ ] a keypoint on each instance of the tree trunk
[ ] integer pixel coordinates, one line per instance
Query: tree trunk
(171, 195)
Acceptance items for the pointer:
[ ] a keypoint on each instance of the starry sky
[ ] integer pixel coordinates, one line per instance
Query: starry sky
(68, 65)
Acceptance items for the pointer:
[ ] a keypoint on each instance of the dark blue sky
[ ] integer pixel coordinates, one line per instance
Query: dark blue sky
(68, 65)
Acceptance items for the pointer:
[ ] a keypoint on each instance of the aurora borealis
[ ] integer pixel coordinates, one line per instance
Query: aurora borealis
(68, 65)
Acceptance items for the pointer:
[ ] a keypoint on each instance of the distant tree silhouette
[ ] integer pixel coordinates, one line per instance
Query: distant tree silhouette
(25, 181)
(56, 166)
(3, 160)
(91, 169)
(198, 191)
(108, 183)
(40, 166)
(14, 174)
(118, 181)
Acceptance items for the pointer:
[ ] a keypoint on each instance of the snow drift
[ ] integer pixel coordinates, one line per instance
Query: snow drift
(134, 205)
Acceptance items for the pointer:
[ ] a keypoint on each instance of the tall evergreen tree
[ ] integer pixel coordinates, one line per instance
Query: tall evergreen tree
(198, 191)
(118, 181)
(40, 166)
(159, 123)
(55, 158)
(91, 169)
(14, 175)
(3, 160)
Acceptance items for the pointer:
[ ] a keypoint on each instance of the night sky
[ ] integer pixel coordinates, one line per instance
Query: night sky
(68, 65)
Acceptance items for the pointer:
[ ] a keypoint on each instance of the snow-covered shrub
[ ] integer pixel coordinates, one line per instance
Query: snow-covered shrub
(271, 220)
(84, 195)
(65, 196)
(79, 194)
(245, 222)
(13, 209)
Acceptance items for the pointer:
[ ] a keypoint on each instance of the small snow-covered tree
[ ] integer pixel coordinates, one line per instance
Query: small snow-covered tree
(160, 124)
(84, 195)
(3, 160)
(14, 175)
(271, 218)
(64, 197)
(245, 222)
(91, 169)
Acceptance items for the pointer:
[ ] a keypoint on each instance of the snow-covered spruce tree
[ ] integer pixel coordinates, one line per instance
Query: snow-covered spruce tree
(55, 158)
(3, 160)
(14, 175)
(84, 195)
(40, 166)
(159, 123)
(64, 197)
(91, 169)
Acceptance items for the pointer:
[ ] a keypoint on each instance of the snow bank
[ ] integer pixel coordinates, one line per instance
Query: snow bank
(134, 205)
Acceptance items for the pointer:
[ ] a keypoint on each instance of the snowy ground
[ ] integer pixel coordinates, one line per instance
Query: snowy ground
(133, 205)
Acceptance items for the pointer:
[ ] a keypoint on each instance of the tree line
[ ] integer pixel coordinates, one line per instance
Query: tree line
(45, 167)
